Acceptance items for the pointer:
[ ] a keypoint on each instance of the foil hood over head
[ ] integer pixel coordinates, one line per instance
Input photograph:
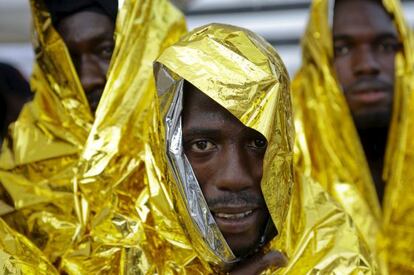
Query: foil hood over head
(328, 147)
(57, 138)
(244, 74)
(241, 72)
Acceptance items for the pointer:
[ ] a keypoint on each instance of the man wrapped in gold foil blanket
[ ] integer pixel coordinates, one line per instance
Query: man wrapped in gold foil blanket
(220, 192)
(92, 80)
(353, 101)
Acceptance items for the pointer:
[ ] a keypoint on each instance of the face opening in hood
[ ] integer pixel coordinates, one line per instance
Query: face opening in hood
(245, 87)
(227, 159)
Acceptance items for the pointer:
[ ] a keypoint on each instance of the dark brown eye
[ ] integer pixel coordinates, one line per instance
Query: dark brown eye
(106, 51)
(388, 46)
(342, 50)
(202, 146)
(259, 143)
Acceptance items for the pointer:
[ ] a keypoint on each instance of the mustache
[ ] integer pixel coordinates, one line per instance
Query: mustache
(369, 83)
(240, 199)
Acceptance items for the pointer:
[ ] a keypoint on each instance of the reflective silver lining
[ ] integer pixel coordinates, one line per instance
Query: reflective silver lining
(185, 178)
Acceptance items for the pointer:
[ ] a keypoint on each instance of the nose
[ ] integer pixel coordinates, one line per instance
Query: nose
(91, 74)
(235, 173)
(365, 61)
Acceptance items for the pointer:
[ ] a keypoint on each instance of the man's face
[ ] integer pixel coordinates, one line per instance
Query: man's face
(89, 39)
(365, 44)
(227, 158)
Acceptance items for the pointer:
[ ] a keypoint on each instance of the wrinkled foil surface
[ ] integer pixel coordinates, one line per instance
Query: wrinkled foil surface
(56, 138)
(244, 74)
(19, 256)
(101, 197)
(333, 155)
(188, 185)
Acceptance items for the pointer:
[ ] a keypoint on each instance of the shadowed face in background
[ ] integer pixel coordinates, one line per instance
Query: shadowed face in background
(227, 158)
(365, 44)
(89, 38)
(14, 93)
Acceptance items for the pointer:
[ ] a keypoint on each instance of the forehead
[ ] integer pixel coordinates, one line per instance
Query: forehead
(85, 25)
(361, 18)
(200, 110)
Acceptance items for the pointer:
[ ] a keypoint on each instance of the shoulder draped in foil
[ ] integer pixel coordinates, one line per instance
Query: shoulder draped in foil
(40, 158)
(333, 155)
(241, 72)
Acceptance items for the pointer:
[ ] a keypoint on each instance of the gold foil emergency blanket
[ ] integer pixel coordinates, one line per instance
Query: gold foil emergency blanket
(19, 256)
(333, 155)
(111, 194)
(195, 204)
(244, 74)
(39, 160)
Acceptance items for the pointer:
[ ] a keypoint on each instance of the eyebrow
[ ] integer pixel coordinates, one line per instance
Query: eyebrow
(380, 36)
(103, 36)
(96, 39)
(194, 132)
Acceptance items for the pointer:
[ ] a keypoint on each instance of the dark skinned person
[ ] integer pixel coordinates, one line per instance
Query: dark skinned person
(87, 54)
(87, 29)
(354, 109)
(220, 194)
(14, 93)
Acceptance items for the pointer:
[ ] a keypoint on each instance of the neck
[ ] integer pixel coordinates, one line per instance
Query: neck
(374, 143)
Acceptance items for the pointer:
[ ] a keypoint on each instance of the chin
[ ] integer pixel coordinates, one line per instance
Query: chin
(244, 251)
(375, 119)
(243, 245)
(244, 235)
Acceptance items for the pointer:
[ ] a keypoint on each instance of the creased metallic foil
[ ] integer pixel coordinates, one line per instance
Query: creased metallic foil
(333, 155)
(188, 186)
(40, 159)
(19, 256)
(244, 74)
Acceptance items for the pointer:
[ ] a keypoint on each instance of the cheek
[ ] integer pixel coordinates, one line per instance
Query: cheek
(103, 64)
(204, 169)
(343, 71)
(255, 162)
(388, 67)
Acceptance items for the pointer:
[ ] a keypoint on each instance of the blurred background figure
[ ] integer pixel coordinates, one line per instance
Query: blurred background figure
(14, 93)
(281, 22)
(352, 102)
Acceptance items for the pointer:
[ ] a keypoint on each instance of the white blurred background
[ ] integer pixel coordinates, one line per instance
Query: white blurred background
(281, 22)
